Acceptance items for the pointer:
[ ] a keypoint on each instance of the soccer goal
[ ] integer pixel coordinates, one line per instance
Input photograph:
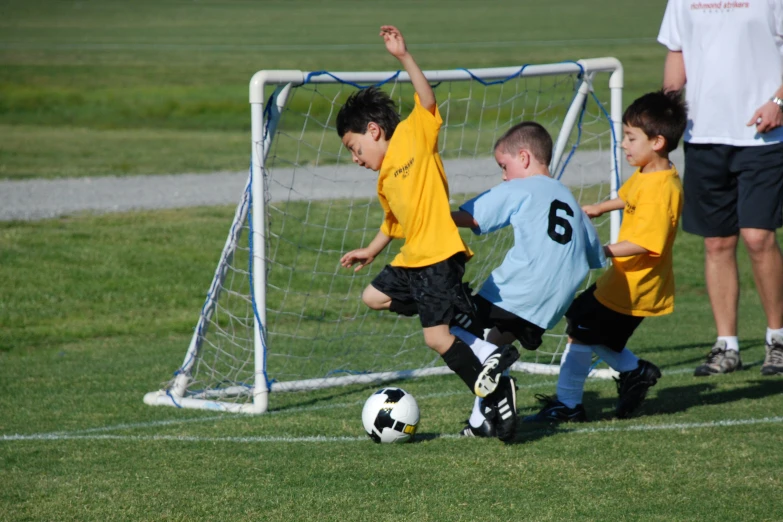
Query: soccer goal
(281, 314)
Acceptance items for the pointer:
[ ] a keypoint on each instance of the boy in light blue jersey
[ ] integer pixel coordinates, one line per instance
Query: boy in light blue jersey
(555, 246)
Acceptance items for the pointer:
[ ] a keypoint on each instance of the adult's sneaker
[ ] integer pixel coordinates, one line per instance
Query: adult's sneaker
(719, 360)
(500, 408)
(485, 430)
(773, 360)
(632, 387)
(494, 366)
(555, 412)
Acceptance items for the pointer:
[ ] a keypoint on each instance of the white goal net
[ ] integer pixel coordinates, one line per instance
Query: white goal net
(281, 313)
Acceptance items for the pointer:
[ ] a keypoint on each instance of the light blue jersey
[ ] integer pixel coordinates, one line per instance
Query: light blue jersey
(555, 246)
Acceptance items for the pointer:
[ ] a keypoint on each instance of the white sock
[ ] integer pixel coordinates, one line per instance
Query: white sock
(773, 331)
(476, 417)
(732, 342)
(480, 347)
(624, 361)
(574, 368)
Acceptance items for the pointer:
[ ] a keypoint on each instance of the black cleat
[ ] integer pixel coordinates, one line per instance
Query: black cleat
(500, 408)
(498, 362)
(632, 387)
(555, 412)
(486, 430)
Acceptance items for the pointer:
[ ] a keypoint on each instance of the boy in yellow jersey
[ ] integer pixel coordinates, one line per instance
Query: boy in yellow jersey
(425, 278)
(640, 282)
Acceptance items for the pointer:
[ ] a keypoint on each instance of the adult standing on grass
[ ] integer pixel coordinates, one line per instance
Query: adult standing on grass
(731, 56)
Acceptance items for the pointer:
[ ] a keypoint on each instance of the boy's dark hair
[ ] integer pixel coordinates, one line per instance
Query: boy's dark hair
(527, 135)
(364, 106)
(659, 113)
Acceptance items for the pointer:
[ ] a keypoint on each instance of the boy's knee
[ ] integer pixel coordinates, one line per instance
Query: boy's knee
(375, 299)
(438, 338)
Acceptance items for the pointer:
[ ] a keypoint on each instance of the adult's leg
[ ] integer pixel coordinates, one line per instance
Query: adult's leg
(767, 263)
(722, 278)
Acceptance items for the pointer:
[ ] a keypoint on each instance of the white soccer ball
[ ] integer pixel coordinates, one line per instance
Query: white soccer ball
(390, 415)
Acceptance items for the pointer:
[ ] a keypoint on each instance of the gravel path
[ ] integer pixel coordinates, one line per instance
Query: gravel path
(40, 199)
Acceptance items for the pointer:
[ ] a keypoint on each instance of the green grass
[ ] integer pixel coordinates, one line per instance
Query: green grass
(98, 311)
(108, 87)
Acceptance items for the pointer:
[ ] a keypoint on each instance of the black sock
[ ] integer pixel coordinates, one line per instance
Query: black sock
(462, 361)
(406, 308)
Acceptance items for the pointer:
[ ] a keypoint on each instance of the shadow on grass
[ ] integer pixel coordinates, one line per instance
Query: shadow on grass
(667, 401)
(682, 398)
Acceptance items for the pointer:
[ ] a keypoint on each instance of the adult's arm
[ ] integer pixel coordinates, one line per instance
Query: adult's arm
(674, 77)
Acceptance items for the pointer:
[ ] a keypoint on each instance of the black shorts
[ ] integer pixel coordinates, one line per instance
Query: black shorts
(436, 290)
(591, 323)
(490, 315)
(728, 188)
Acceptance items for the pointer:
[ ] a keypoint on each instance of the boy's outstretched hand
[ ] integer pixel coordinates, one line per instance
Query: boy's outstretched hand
(361, 256)
(394, 41)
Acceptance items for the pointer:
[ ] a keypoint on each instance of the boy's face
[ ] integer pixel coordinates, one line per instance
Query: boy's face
(640, 149)
(512, 166)
(368, 149)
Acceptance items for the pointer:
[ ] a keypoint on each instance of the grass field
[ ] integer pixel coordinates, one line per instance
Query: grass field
(95, 311)
(108, 87)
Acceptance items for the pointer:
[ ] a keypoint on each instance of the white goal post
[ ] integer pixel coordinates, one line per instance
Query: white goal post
(282, 315)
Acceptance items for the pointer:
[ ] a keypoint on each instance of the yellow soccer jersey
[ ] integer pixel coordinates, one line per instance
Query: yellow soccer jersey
(414, 193)
(643, 285)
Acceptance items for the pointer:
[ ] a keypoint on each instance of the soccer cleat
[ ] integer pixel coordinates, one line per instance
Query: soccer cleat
(498, 362)
(773, 360)
(555, 412)
(500, 408)
(719, 360)
(632, 387)
(486, 430)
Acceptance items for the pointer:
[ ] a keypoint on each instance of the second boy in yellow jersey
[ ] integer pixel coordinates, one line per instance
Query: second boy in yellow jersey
(640, 282)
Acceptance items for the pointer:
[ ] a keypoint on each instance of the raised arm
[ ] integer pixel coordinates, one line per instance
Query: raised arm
(395, 44)
(674, 72)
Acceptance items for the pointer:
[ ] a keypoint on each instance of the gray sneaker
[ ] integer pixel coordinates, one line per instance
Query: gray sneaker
(773, 361)
(719, 360)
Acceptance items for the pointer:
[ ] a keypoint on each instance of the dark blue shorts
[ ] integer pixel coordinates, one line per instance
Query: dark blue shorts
(728, 188)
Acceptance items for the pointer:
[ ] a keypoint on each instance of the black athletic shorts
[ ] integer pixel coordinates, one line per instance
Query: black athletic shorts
(436, 290)
(728, 188)
(489, 315)
(591, 323)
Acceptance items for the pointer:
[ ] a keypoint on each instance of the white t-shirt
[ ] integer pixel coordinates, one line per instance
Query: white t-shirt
(733, 53)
